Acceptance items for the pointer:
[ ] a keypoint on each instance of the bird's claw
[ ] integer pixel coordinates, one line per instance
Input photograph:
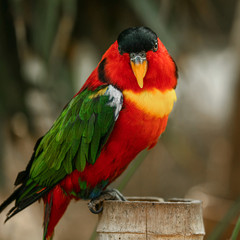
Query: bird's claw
(96, 204)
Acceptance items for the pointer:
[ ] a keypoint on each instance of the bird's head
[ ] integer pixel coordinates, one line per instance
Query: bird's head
(138, 61)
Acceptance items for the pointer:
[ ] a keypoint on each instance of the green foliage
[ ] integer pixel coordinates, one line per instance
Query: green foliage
(226, 221)
(236, 230)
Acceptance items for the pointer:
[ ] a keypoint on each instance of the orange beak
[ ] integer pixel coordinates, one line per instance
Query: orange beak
(139, 66)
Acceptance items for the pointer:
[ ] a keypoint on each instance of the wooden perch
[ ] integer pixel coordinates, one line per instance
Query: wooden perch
(151, 219)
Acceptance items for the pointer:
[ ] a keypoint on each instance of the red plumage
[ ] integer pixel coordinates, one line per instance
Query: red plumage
(141, 121)
(134, 131)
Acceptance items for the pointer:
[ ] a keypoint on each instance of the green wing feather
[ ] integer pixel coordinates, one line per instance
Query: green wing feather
(75, 140)
(77, 136)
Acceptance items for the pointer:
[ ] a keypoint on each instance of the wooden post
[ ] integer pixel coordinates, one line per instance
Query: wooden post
(151, 219)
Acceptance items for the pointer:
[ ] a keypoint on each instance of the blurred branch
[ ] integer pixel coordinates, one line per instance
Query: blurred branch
(236, 230)
(221, 226)
(235, 118)
(44, 24)
(132, 169)
(235, 32)
(94, 234)
(2, 149)
(20, 29)
(12, 86)
(52, 12)
(64, 31)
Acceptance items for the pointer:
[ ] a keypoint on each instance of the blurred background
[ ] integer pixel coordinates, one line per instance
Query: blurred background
(49, 48)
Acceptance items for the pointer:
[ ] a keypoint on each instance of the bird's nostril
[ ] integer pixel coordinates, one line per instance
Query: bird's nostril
(142, 54)
(132, 55)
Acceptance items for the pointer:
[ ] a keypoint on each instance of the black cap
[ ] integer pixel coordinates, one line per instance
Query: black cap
(137, 39)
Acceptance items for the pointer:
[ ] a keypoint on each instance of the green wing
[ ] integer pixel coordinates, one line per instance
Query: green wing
(75, 139)
(77, 136)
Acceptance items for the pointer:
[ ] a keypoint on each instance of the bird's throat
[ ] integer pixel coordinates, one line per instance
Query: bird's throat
(154, 102)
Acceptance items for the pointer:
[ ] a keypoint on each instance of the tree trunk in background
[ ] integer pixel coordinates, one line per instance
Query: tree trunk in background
(235, 168)
(12, 86)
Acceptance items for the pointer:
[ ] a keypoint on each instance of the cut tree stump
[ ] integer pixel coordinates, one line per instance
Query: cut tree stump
(151, 219)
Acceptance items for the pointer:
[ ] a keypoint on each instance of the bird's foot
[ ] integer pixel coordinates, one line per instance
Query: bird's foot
(96, 204)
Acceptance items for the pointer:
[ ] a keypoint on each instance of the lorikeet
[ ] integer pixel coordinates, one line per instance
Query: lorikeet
(122, 109)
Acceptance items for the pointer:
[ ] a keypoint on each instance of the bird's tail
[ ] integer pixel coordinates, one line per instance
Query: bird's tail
(23, 197)
(10, 199)
(55, 204)
(27, 193)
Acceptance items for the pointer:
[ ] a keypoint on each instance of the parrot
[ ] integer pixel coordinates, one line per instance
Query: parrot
(121, 109)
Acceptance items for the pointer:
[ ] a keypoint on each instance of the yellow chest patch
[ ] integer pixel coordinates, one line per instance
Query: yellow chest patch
(154, 102)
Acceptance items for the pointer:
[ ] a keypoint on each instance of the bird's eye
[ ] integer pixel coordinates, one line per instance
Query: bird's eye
(155, 48)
